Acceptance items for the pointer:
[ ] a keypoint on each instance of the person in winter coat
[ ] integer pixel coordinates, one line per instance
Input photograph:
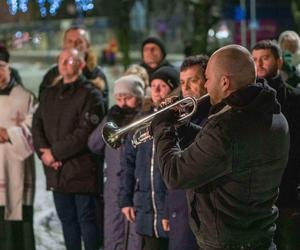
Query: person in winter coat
(289, 43)
(153, 55)
(17, 170)
(77, 38)
(268, 60)
(234, 166)
(129, 95)
(142, 191)
(67, 114)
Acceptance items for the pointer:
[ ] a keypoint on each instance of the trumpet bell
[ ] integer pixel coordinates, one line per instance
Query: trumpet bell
(110, 135)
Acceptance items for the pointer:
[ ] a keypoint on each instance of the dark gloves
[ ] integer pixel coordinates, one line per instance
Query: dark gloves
(166, 118)
(121, 116)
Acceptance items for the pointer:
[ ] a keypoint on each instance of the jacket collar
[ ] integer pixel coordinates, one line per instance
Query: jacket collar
(6, 91)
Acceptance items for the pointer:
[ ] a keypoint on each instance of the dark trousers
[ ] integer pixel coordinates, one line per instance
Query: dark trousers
(77, 214)
(17, 235)
(152, 243)
(288, 226)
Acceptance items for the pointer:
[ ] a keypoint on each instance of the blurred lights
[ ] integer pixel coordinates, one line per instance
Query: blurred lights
(53, 6)
(84, 5)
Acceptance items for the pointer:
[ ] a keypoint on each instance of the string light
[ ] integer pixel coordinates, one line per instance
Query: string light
(54, 6)
(43, 9)
(15, 6)
(23, 5)
(84, 5)
(12, 6)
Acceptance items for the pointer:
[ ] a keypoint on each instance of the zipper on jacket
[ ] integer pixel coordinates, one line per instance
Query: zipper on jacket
(153, 193)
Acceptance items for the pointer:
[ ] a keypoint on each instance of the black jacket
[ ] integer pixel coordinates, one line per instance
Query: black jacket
(289, 99)
(66, 116)
(150, 71)
(233, 168)
(52, 74)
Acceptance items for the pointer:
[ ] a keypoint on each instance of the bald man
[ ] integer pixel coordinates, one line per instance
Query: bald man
(77, 38)
(233, 168)
(67, 114)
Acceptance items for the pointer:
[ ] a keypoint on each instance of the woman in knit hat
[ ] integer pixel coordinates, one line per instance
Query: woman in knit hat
(142, 193)
(128, 95)
(141, 72)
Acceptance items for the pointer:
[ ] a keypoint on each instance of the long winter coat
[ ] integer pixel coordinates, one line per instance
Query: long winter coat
(233, 168)
(66, 116)
(17, 173)
(117, 231)
(142, 187)
(289, 99)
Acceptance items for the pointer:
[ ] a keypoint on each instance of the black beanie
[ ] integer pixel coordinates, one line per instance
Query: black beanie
(4, 54)
(156, 41)
(168, 74)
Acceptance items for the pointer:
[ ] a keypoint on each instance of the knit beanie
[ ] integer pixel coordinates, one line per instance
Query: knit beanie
(167, 74)
(4, 54)
(156, 41)
(130, 84)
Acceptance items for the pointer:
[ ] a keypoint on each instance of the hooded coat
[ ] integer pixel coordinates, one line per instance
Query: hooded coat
(232, 169)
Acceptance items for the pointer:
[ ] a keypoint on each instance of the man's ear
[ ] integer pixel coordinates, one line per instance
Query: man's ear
(225, 82)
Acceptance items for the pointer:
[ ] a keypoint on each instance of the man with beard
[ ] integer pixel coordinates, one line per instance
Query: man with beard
(233, 168)
(268, 59)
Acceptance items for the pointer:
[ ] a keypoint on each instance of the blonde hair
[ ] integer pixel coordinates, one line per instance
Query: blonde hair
(138, 70)
(289, 40)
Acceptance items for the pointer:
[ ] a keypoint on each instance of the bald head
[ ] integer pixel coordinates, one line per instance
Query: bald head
(235, 62)
(229, 69)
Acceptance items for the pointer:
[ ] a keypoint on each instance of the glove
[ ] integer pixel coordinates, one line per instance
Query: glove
(167, 118)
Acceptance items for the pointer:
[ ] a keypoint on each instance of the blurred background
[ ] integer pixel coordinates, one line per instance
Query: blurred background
(33, 32)
(34, 28)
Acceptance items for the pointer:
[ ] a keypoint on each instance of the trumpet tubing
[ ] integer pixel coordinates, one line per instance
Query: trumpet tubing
(113, 135)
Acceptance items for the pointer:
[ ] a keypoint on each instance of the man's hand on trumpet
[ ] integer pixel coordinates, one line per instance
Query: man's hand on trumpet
(168, 118)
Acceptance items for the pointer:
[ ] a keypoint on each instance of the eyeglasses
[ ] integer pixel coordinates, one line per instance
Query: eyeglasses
(67, 61)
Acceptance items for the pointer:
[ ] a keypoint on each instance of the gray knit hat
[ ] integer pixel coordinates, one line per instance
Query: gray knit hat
(130, 84)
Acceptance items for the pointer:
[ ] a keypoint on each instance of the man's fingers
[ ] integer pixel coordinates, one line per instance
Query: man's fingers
(132, 215)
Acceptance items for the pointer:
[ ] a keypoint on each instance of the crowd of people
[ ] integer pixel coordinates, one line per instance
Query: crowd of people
(225, 178)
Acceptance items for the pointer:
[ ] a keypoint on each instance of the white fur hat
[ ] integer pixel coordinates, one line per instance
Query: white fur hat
(130, 84)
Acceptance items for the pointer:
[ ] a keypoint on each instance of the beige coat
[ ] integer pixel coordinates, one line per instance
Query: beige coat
(17, 173)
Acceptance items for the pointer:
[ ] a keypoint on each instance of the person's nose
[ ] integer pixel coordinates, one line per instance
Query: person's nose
(186, 85)
(260, 62)
(156, 89)
(122, 104)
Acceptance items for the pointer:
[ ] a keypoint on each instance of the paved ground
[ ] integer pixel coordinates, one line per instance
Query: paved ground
(47, 227)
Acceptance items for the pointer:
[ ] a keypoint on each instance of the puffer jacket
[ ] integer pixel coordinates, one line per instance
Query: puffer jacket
(142, 187)
(232, 170)
(66, 116)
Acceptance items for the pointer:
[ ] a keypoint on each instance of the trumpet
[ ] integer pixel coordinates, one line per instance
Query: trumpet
(113, 135)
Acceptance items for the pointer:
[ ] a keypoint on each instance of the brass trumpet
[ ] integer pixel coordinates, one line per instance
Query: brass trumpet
(112, 134)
